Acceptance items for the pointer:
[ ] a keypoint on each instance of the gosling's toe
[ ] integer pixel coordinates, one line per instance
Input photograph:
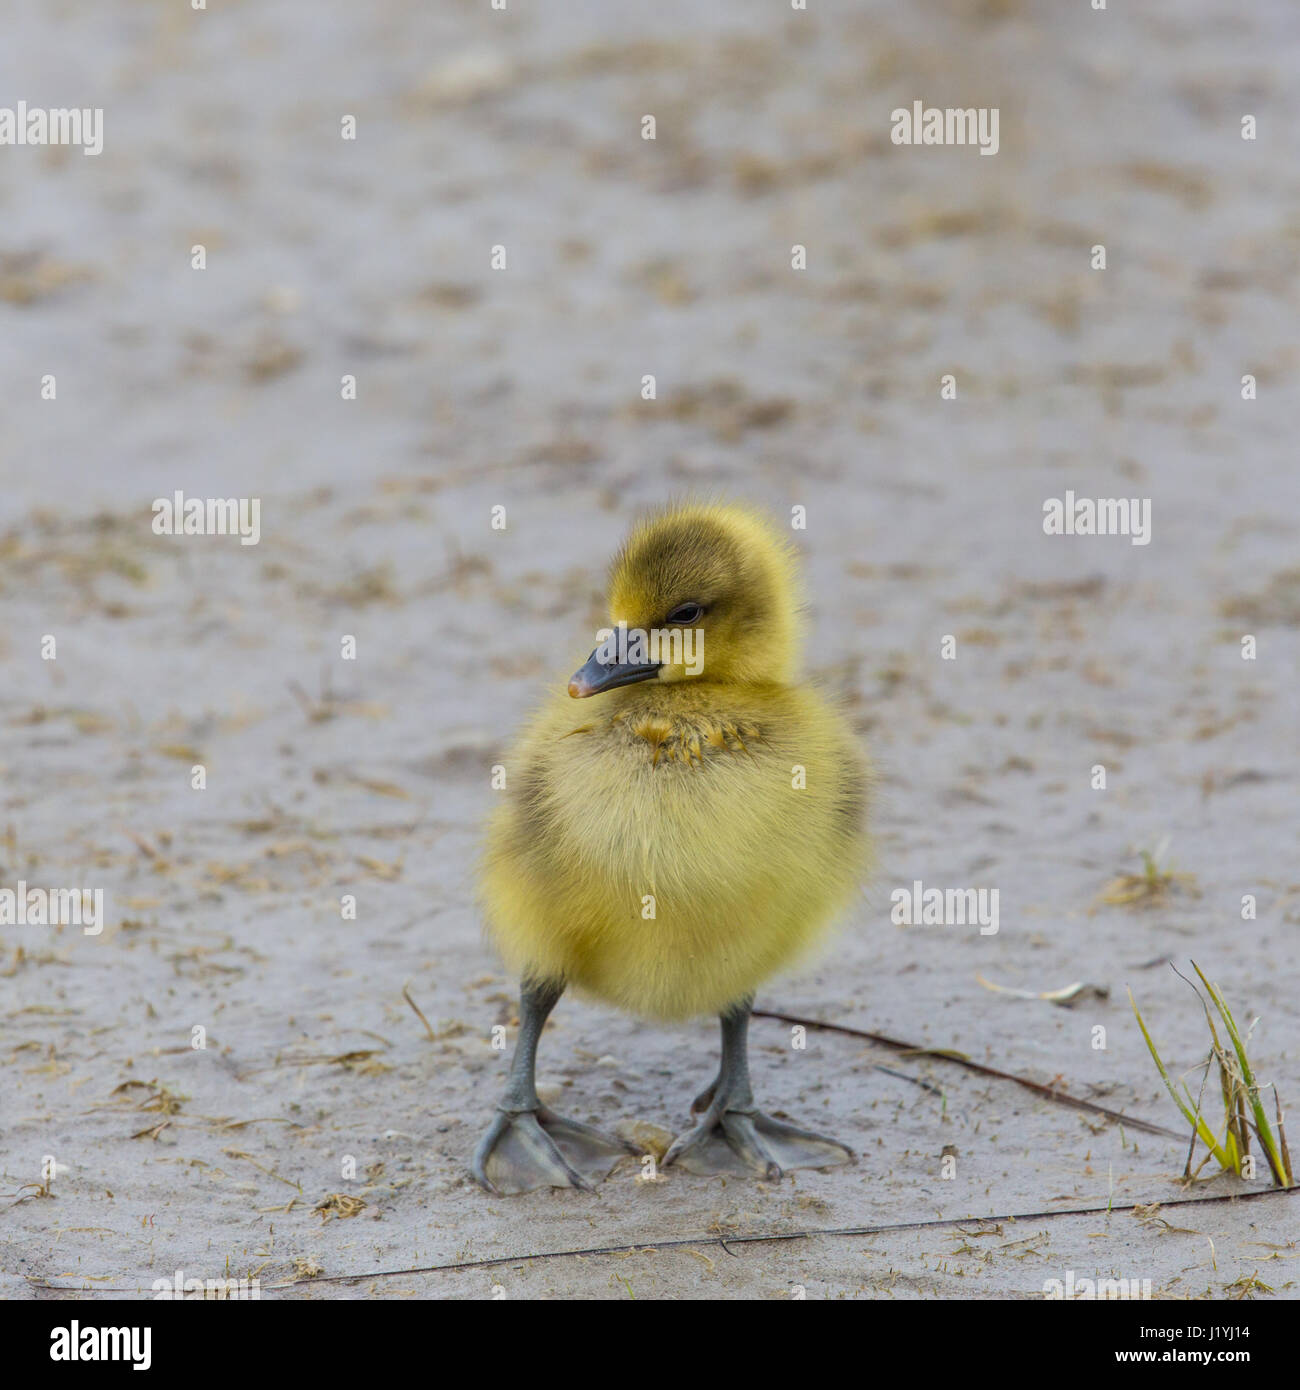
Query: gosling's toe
(793, 1147)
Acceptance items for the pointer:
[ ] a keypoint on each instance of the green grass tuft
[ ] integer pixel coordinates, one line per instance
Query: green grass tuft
(1242, 1095)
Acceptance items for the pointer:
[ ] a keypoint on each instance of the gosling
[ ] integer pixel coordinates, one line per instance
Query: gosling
(670, 846)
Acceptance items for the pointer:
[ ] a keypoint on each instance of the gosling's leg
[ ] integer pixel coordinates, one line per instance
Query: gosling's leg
(526, 1146)
(735, 1137)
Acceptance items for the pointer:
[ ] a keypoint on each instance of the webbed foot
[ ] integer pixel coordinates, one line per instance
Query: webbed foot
(526, 1149)
(752, 1144)
(733, 1135)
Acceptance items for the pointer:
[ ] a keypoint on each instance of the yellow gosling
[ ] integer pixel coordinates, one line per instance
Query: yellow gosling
(670, 845)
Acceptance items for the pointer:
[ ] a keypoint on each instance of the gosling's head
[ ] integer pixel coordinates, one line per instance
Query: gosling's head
(712, 591)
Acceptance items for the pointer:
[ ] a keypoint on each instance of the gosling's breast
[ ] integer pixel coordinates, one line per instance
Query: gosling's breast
(700, 801)
(669, 860)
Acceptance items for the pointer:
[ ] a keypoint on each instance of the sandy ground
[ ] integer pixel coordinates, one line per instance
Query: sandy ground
(522, 389)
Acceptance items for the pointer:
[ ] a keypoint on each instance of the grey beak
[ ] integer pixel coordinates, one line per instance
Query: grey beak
(595, 675)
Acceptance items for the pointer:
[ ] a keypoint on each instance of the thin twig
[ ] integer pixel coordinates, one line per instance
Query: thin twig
(915, 1080)
(1047, 1092)
(724, 1241)
(406, 994)
(651, 1246)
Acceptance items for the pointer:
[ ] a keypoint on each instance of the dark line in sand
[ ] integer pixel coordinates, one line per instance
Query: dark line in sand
(722, 1242)
(1047, 1092)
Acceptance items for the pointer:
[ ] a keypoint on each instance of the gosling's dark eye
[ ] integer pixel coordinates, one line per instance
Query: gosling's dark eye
(686, 613)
